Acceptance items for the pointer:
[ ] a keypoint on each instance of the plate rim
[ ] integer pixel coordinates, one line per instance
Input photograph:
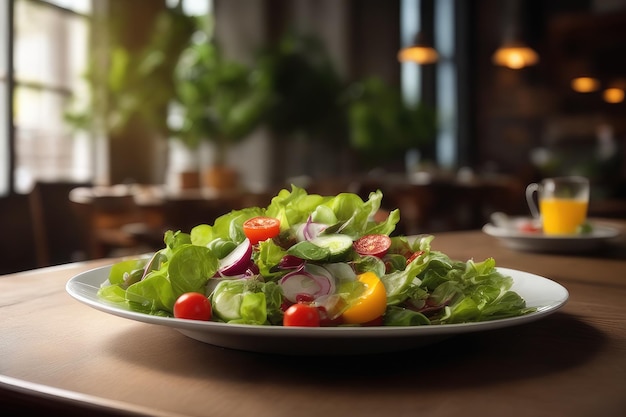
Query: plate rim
(606, 233)
(76, 287)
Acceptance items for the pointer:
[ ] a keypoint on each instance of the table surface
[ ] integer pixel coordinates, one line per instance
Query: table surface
(63, 356)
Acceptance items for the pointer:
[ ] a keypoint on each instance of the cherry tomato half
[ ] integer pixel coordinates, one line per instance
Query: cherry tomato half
(192, 306)
(261, 228)
(374, 245)
(301, 314)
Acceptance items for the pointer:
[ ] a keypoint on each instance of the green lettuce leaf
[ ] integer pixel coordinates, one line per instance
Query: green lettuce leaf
(190, 268)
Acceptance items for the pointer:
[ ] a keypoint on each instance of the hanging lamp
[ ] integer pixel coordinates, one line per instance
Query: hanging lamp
(421, 52)
(513, 52)
(615, 92)
(585, 84)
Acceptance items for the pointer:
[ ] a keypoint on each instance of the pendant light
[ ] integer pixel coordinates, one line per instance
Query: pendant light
(582, 75)
(614, 92)
(515, 55)
(585, 84)
(513, 52)
(421, 52)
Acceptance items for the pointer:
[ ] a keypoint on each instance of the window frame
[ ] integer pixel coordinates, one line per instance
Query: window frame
(8, 127)
(7, 131)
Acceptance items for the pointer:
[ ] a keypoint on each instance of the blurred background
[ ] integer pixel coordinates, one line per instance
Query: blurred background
(122, 119)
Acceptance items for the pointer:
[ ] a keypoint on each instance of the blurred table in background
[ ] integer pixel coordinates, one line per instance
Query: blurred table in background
(431, 204)
(133, 218)
(105, 213)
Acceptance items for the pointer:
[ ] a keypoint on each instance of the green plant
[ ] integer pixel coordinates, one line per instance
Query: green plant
(306, 89)
(382, 124)
(222, 101)
(127, 85)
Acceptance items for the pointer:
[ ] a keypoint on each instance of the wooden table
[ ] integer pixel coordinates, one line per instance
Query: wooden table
(66, 358)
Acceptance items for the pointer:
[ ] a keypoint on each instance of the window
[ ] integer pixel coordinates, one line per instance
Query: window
(5, 115)
(50, 44)
(446, 89)
(44, 55)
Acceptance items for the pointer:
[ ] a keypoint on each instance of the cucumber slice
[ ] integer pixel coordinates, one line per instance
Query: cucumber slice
(338, 245)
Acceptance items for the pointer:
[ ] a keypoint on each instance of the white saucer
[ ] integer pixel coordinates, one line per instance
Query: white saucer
(538, 242)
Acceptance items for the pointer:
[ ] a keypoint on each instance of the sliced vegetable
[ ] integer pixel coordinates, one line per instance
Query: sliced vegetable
(237, 261)
(309, 251)
(290, 262)
(261, 228)
(370, 304)
(373, 245)
(310, 280)
(338, 245)
(310, 230)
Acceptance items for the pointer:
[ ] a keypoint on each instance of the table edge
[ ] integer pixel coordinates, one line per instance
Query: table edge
(76, 399)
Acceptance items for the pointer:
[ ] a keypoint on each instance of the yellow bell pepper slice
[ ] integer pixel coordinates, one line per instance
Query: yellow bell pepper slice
(371, 304)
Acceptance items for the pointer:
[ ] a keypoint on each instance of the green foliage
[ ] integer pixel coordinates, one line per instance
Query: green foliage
(306, 89)
(383, 124)
(222, 100)
(292, 86)
(133, 85)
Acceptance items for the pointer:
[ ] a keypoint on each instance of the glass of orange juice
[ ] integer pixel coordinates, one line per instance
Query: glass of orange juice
(562, 204)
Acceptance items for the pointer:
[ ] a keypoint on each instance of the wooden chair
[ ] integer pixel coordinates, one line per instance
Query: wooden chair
(60, 237)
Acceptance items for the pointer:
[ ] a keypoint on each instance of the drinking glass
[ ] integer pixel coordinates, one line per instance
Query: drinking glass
(563, 203)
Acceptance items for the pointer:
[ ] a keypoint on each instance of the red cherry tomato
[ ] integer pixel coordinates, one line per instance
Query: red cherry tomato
(374, 245)
(261, 228)
(300, 314)
(192, 306)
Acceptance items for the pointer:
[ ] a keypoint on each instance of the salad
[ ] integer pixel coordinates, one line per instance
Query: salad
(310, 260)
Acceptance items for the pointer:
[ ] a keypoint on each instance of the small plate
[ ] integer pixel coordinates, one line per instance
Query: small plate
(546, 295)
(538, 242)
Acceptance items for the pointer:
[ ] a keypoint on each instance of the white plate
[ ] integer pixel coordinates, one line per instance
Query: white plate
(546, 295)
(538, 242)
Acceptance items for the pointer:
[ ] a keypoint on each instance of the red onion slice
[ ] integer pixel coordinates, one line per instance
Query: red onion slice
(290, 262)
(310, 230)
(313, 230)
(238, 261)
(311, 280)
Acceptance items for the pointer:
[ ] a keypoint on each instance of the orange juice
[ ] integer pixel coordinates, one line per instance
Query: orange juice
(562, 215)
